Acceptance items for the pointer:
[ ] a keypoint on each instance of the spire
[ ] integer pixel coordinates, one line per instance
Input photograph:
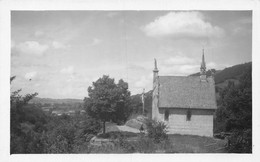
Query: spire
(203, 64)
(155, 66)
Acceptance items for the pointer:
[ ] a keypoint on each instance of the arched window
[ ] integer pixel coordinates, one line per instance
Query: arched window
(188, 115)
(166, 115)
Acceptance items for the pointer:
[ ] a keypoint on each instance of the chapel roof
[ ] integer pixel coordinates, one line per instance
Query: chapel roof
(186, 92)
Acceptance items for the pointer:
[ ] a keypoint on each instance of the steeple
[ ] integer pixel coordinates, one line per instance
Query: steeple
(155, 66)
(203, 64)
(203, 76)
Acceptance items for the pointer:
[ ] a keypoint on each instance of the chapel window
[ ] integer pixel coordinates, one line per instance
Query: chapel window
(166, 115)
(188, 116)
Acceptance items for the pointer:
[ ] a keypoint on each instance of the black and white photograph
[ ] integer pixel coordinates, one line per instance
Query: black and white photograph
(130, 81)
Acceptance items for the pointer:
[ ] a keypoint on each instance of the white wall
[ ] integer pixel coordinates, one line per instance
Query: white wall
(201, 122)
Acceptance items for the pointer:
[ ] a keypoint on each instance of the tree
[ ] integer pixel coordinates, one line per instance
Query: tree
(26, 123)
(235, 112)
(123, 109)
(107, 100)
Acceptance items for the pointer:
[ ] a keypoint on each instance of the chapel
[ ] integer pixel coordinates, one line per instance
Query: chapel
(185, 103)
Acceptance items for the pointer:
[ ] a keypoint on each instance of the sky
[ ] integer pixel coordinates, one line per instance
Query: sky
(60, 53)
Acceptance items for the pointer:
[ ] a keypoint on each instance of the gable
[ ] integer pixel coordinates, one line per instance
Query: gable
(186, 92)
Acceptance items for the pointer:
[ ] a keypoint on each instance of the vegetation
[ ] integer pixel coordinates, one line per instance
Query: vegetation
(35, 131)
(174, 144)
(137, 105)
(108, 101)
(156, 130)
(234, 113)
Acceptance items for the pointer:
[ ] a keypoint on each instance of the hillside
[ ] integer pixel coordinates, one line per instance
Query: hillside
(55, 101)
(233, 72)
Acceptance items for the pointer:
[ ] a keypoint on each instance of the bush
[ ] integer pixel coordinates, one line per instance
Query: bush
(91, 125)
(241, 142)
(156, 130)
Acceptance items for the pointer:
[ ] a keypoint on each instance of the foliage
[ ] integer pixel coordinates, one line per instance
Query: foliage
(90, 126)
(32, 131)
(68, 134)
(156, 130)
(108, 100)
(137, 106)
(27, 124)
(234, 112)
(241, 141)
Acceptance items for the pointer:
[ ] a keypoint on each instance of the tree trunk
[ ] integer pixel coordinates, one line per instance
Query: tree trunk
(104, 127)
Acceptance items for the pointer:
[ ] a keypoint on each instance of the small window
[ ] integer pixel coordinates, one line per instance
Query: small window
(188, 116)
(166, 115)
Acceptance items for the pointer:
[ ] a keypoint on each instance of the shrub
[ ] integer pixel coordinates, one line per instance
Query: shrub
(241, 142)
(156, 130)
(91, 125)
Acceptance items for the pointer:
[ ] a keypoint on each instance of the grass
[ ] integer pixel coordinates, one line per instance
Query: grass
(123, 143)
(197, 144)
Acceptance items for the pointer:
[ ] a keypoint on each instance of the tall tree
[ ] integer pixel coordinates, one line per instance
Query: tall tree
(107, 100)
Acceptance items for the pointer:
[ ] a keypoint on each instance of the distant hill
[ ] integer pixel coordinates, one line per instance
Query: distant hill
(55, 101)
(233, 72)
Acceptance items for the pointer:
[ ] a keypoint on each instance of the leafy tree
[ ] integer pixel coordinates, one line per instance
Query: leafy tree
(108, 100)
(235, 112)
(123, 109)
(25, 127)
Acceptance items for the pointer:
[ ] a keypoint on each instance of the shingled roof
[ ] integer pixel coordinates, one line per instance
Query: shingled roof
(186, 92)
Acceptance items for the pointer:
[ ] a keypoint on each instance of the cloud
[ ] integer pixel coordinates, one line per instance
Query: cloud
(58, 45)
(182, 25)
(95, 41)
(135, 67)
(179, 65)
(30, 75)
(182, 65)
(179, 60)
(32, 47)
(142, 82)
(38, 33)
(67, 70)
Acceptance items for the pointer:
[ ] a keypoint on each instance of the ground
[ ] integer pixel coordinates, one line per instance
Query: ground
(176, 143)
(111, 127)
